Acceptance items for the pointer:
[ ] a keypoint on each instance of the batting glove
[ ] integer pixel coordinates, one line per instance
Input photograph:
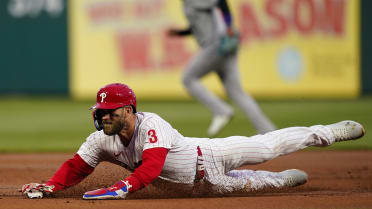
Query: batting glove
(37, 187)
(36, 190)
(117, 191)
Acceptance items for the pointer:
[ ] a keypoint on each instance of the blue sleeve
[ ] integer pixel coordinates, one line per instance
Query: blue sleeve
(222, 4)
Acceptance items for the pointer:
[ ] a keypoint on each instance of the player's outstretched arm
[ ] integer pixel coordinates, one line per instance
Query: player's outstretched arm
(70, 173)
(152, 163)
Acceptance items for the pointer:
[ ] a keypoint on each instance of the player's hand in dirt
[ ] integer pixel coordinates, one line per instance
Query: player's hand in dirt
(117, 191)
(36, 190)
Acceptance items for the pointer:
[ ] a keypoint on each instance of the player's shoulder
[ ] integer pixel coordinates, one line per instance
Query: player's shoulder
(149, 119)
(149, 116)
(97, 136)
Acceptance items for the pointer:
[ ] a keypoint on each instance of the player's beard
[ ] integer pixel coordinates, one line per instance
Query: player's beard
(113, 128)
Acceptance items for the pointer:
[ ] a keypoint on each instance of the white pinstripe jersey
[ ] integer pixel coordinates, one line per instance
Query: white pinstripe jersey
(150, 131)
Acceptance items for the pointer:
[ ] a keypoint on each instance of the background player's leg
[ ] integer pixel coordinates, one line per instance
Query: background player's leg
(229, 74)
(205, 61)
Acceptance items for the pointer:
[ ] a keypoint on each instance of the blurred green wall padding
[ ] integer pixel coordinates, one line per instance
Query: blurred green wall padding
(366, 46)
(33, 46)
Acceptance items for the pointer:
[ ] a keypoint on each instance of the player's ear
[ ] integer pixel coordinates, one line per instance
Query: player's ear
(128, 109)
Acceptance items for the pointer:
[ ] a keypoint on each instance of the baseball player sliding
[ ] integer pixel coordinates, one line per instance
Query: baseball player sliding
(211, 24)
(151, 148)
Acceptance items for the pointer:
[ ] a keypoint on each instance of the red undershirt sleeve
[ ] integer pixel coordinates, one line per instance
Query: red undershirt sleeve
(152, 163)
(70, 173)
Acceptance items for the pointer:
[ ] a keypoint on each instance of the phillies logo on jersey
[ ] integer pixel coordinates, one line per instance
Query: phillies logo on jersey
(103, 96)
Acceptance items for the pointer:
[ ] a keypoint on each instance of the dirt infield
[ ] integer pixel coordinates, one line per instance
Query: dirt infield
(337, 179)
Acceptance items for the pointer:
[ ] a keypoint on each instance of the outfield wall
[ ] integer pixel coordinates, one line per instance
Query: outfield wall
(33, 46)
(366, 46)
(290, 48)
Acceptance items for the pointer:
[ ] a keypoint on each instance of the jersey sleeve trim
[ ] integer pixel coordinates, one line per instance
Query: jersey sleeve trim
(70, 173)
(152, 164)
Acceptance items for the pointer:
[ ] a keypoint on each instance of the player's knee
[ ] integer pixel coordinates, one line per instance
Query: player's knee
(267, 157)
(235, 93)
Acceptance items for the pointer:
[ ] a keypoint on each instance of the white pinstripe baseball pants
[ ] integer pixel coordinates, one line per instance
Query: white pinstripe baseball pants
(226, 154)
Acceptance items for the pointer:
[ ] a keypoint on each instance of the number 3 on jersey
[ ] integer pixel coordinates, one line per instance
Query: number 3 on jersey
(153, 138)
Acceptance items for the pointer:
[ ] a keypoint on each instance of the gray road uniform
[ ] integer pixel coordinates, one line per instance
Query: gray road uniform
(219, 156)
(208, 26)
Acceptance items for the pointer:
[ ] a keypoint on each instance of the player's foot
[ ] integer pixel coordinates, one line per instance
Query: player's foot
(217, 124)
(347, 130)
(293, 177)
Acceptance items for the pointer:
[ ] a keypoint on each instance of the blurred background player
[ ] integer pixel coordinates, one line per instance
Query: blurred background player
(211, 24)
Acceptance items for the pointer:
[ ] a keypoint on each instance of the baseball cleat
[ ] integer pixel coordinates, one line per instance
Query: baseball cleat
(293, 177)
(217, 124)
(347, 130)
(117, 191)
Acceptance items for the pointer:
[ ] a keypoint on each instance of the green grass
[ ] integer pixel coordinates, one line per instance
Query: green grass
(60, 124)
